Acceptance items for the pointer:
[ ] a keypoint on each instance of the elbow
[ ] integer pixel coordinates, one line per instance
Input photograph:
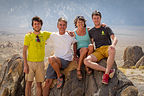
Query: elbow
(116, 39)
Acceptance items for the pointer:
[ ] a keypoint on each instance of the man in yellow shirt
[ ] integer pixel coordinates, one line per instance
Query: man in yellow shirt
(34, 43)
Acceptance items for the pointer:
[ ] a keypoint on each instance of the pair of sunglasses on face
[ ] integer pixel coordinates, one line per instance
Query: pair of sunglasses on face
(37, 39)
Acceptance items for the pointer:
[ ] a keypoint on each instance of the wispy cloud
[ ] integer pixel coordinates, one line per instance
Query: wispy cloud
(20, 12)
(10, 11)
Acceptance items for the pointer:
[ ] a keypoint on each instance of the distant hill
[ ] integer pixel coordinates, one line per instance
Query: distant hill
(5, 33)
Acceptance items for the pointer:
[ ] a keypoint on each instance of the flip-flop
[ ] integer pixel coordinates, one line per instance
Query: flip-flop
(60, 81)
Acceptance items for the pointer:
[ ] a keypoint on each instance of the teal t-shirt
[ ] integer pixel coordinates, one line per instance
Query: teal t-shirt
(82, 41)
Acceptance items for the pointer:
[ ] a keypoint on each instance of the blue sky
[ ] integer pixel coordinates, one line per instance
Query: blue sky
(17, 14)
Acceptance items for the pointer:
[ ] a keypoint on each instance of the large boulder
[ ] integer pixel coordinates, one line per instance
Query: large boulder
(91, 85)
(131, 55)
(140, 62)
(12, 77)
(12, 82)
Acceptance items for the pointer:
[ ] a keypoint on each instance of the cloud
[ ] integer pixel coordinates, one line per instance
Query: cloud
(11, 11)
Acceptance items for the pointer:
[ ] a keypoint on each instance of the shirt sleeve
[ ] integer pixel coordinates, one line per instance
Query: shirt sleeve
(27, 40)
(110, 32)
(47, 34)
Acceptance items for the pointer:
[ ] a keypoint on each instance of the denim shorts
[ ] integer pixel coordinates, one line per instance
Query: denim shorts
(51, 74)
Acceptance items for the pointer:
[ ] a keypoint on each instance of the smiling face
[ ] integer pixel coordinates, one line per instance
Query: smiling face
(62, 26)
(80, 24)
(97, 20)
(36, 26)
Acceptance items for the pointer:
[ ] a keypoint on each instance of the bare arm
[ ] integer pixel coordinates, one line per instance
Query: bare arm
(114, 40)
(92, 41)
(26, 69)
(75, 50)
(70, 33)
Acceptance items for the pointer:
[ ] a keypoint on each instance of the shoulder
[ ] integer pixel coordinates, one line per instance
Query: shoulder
(54, 34)
(28, 35)
(107, 28)
(46, 32)
(91, 29)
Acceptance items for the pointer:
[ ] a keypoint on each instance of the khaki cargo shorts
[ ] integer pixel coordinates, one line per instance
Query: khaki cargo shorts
(36, 69)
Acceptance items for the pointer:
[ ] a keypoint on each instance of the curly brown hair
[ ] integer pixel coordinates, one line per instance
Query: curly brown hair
(36, 18)
(79, 18)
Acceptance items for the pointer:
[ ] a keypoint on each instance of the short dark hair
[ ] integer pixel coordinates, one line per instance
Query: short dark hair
(97, 13)
(36, 18)
(62, 19)
(79, 18)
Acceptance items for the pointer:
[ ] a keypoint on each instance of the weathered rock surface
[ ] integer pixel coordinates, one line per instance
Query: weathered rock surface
(6, 44)
(131, 55)
(91, 85)
(12, 77)
(140, 62)
(12, 82)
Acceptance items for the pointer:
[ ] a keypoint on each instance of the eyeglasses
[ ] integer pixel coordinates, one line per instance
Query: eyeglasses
(37, 38)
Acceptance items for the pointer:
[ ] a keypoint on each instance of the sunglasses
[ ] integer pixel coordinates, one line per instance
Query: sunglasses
(37, 38)
(81, 17)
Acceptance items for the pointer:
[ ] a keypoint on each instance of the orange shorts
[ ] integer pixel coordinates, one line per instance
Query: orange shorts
(101, 52)
(36, 69)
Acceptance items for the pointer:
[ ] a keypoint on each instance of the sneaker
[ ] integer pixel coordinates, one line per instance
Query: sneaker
(105, 78)
(112, 72)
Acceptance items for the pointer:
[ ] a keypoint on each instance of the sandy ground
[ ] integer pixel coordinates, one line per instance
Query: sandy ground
(135, 75)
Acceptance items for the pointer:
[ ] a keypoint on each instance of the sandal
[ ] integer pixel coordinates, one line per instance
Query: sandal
(60, 81)
(88, 70)
(79, 75)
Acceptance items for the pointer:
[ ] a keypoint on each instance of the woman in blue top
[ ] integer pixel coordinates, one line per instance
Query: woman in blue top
(83, 47)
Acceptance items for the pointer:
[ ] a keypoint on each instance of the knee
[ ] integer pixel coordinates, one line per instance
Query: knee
(48, 82)
(91, 47)
(86, 60)
(28, 84)
(112, 51)
(51, 59)
(39, 85)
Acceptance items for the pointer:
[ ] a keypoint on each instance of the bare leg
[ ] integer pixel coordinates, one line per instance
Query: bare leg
(46, 89)
(28, 88)
(90, 62)
(39, 89)
(56, 64)
(90, 49)
(83, 53)
(110, 60)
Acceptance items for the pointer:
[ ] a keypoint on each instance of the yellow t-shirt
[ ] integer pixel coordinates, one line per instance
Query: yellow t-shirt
(36, 50)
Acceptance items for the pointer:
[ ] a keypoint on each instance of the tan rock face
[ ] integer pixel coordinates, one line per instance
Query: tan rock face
(140, 62)
(92, 86)
(12, 77)
(129, 91)
(12, 81)
(131, 55)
